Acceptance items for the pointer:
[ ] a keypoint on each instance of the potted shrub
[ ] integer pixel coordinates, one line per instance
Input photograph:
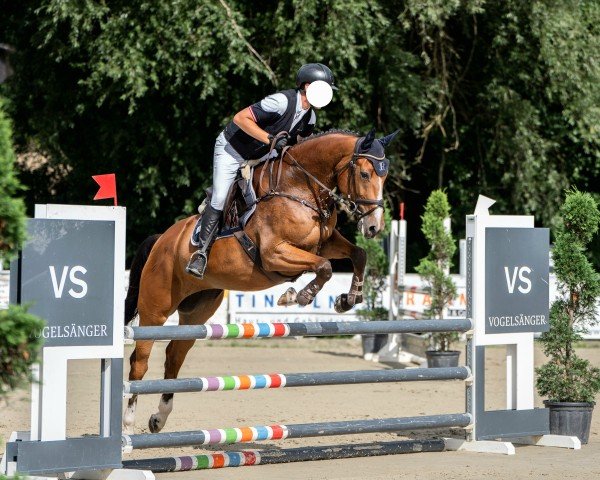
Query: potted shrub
(434, 269)
(570, 383)
(375, 284)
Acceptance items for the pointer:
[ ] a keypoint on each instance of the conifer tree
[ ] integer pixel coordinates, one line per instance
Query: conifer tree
(567, 377)
(435, 266)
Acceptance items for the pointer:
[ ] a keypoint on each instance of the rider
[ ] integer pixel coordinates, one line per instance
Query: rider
(252, 134)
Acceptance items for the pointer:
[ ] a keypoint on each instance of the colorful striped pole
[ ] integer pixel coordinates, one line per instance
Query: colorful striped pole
(280, 432)
(270, 457)
(280, 380)
(269, 330)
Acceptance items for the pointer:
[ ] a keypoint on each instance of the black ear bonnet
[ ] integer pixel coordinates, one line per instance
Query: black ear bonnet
(373, 149)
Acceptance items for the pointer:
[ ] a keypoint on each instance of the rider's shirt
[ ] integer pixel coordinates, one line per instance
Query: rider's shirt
(273, 107)
(276, 113)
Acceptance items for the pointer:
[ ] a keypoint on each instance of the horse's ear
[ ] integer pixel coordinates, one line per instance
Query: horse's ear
(385, 141)
(367, 143)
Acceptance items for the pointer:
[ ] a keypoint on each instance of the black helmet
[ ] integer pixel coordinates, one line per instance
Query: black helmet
(311, 72)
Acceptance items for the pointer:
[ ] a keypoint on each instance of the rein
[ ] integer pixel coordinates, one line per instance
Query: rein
(349, 204)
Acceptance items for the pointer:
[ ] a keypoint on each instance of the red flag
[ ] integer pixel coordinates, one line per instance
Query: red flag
(108, 186)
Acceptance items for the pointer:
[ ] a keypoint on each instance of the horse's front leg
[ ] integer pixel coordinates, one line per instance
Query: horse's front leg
(196, 309)
(290, 260)
(338, 247)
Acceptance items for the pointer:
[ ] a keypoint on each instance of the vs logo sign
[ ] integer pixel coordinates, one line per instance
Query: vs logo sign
(59, 284)
(511, 279)
(516, 280)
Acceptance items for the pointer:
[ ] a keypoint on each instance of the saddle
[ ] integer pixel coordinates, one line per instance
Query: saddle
(239, 208)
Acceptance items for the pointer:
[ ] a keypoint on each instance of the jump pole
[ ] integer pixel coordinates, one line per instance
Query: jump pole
(246, 458)
(302, 430)
(313, 329)
(281, 380)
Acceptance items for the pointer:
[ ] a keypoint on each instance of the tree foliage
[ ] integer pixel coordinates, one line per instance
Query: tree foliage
(19, 349)
(501, 98)
(12, 210)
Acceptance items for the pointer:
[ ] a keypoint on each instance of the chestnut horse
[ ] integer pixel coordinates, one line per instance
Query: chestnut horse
(293, 229)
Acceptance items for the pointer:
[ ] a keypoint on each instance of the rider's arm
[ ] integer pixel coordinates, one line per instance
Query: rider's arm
(267, 112)
(245, 120)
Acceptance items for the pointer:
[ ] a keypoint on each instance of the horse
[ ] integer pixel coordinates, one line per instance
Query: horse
(293, 230)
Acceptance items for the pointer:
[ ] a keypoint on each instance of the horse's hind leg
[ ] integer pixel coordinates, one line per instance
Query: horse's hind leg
(138, 362)
(175, 354)
(194, 310)
(139, 366)
(151, 315)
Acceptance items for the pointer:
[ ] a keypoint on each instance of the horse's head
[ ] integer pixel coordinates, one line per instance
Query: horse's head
(362, 178)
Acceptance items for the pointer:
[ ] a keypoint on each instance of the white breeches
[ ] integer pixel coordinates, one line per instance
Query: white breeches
(226, 163)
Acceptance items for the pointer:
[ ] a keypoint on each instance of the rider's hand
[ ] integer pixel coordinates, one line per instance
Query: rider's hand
(280, 142)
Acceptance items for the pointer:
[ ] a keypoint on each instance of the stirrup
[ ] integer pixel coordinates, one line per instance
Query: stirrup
(197, 264)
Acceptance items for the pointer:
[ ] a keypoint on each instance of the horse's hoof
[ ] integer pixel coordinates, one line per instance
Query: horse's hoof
(337, 306)
(288, 298)
(128, 430)
(341, 303)
(155, 424)
(304, 298)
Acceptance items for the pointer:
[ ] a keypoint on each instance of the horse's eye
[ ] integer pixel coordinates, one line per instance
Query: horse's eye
(365, 175)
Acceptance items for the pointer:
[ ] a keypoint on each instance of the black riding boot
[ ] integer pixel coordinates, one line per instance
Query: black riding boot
(208, 228)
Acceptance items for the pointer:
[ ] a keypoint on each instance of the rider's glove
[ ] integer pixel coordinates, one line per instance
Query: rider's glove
(280, 142)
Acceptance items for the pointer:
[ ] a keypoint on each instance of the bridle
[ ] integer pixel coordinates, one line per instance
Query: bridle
(347, 203)
(350, 204)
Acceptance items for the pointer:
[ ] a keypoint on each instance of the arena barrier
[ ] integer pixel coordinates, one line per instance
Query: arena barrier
(505, 303)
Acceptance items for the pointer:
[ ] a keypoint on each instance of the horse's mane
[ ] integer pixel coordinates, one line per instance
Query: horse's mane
(328, 132)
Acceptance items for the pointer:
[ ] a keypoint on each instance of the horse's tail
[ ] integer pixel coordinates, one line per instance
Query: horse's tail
(135, 275)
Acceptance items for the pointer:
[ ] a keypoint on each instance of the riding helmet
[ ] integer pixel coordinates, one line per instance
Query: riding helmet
(311, 72)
